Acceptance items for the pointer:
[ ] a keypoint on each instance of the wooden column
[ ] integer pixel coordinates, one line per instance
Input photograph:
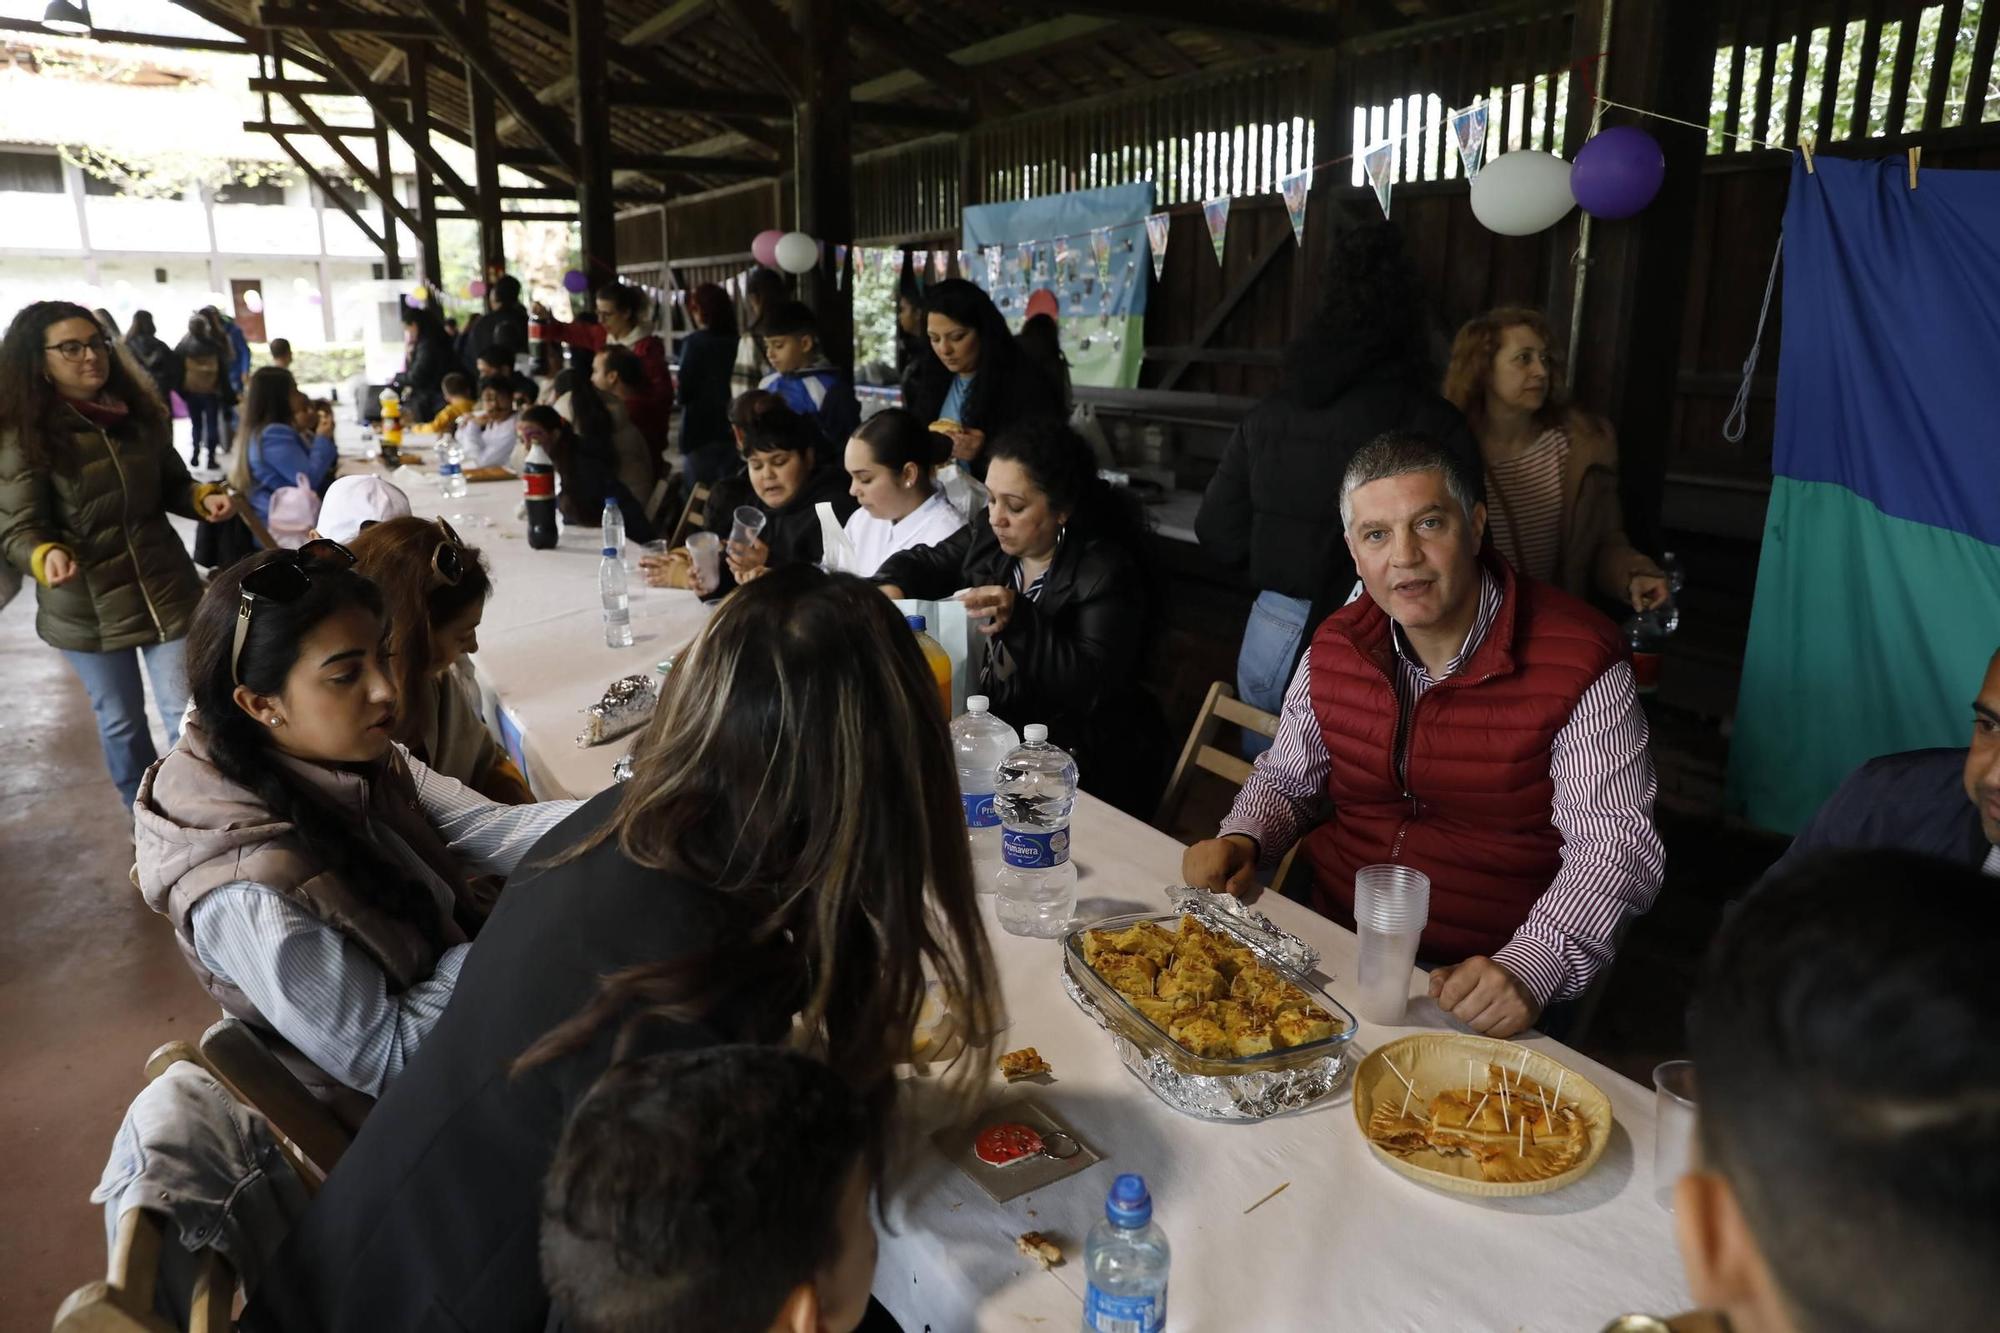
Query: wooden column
(1628, 352)
(824, 161)
(416, 64)
(390, 244)
(485, 149)
(593, 142)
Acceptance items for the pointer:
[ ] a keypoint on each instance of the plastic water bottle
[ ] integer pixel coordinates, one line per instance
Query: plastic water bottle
(538, 477)
(1125, 1262)
(1646, 633)
(1034, 789)
(613, 521)
(981, 742)
(451, 467)
(617, 606)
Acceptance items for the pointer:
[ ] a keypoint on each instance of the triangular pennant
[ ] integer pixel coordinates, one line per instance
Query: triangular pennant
(1025, 253)
(940, 264)
(839, 265)
(920, 261)
(1295, 188)
(1468, 131)
(992, 267)
(1100, 249)
(1380, 163)
(1157, 227)
(1216, 213)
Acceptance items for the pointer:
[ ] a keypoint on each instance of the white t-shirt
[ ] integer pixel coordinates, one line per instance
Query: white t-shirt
(875, 540)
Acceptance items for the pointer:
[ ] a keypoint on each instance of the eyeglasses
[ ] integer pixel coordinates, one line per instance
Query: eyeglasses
(73, 349)
(448, 560)
(284, 578)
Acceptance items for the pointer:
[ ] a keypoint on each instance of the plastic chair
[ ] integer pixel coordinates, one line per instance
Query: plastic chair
(1200, 752)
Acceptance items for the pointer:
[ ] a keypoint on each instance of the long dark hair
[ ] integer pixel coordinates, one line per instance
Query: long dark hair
(1371, 313)
(1063, 468)
(395, 555)
(30, 407)
(1000, 361)
(267, 401)
(763, 290)
(896, 439)
(805, 684)
(241, 749)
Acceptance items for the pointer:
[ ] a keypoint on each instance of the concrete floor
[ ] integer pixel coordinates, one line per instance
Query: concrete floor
(90, 980)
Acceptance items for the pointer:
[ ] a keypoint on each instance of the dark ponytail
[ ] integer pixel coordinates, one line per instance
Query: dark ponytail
(896, 438)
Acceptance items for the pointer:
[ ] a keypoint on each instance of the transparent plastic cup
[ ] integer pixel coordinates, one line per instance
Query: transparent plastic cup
(705, 554)
(748, 525)
(1677, 1108)
(1391, 906)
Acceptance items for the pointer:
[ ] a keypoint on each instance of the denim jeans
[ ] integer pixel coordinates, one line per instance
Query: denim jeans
(205, 417)
(1264, 663)
(118, 698)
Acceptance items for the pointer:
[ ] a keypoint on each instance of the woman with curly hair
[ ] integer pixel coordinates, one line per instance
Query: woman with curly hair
(973, 382)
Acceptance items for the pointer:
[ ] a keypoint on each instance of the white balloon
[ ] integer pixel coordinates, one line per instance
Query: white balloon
(1522, 192)
(797, 252)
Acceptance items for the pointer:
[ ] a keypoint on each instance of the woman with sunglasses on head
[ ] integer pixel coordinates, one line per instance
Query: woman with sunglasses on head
(719, 896)
(316, 874)
(88, 475)
(434, 590)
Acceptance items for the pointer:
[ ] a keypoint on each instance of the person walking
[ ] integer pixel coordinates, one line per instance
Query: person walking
(204, 382)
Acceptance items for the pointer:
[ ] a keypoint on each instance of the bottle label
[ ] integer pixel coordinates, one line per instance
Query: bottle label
(980, 812)
(1035, 851)
(540, 485)
(448, 469)
(1104, 1313)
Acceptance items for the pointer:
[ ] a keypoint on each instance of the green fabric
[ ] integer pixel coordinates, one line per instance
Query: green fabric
(106, 497)
(1883, 624)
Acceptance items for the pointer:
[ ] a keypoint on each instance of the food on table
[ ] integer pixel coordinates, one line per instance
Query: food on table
(1040, 1248)
(946, 426)
(1511, 1125)
(1208, 993)
(1024, 1063)
(1007, 1144)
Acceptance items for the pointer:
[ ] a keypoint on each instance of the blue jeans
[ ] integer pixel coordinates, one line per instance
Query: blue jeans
(205, 416)
(118, 697)
(1264, 663)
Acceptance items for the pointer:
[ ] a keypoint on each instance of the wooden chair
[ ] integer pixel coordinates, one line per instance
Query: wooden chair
(242, 1063)
(1200, 752)
(691, 515)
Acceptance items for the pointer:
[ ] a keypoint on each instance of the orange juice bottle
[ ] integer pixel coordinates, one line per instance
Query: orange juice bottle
(934, 658)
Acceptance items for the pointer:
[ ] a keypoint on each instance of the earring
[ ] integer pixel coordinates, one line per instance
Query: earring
(272, 720)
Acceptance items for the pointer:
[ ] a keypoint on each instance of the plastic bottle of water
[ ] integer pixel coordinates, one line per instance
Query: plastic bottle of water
(614, 530)
(1034, 788)
(981, 742)
(1125, 1262)
(617, 607)
(451, 467)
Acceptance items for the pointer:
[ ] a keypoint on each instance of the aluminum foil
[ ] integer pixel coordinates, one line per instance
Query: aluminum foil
(626, 706)
(622, 770)
(1258, 932)
(1247, 1096)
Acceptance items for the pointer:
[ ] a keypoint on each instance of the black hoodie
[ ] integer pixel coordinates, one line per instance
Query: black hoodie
(792, 532)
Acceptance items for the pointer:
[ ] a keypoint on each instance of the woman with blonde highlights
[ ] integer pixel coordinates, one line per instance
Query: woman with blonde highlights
(1551, 468)
(787, 865)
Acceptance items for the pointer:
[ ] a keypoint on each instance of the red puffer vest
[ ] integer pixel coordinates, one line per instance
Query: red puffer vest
(1476, 813)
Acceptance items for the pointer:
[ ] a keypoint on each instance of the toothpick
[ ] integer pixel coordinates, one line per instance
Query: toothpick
(1547, 1114)
(1521, 1139)
(1468, 1080)
(1504, 1124)
(1267, 1198)
(1406, 1101)
(1559, 1088)
(1522, 1072)
(1477, 1109)
(1399, 1073)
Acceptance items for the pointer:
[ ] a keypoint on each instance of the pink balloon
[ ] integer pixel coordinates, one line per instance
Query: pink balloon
(765, 247)
(476, 287)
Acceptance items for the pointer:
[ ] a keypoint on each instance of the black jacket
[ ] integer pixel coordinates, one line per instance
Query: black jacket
(431, 1221)
(792, 532)
(707, 358)
(423, 383)
(508, 325)
(1018, 392)
(161, 363)
(1913, 802)
(1077, 651)
(1273, 506)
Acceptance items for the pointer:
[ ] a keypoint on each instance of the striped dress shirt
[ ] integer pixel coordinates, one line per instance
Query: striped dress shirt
(1612, 861)
(1524, 506)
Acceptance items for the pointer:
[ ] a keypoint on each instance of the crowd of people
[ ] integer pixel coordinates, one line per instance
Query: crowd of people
(585, 1044)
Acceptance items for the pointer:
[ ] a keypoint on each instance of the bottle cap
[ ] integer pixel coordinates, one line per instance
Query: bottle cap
(1035, 733)
(1128, 1204)
(917, 623)
(976, 703)
(611, 551)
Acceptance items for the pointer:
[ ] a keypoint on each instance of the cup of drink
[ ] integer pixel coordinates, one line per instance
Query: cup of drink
(1676, 1108)
(1391, 905)
(705, 553)
(749, 525)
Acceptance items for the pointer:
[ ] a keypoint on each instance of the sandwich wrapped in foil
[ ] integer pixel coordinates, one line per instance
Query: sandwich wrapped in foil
(626, 706)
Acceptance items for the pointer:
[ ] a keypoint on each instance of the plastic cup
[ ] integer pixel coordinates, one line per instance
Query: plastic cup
(1676, 1109)
(1391, 906)
(705, 552)
(749, 524)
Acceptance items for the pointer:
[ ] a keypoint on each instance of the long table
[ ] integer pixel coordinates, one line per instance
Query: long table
(1349, 1244)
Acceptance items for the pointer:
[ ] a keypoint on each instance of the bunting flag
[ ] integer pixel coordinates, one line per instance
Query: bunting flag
(992, 267)
(940, 265)
(1380, 162)
(1295, 188)
(1216, 213)
(1025, 254)
(1100, 248)
(1468, 131)
(839, 265)
(1157, 227)
(920, 261)
(892, 263)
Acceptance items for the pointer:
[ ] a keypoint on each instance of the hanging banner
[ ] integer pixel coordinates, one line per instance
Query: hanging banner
(1380, 164)
(1295, 188)
(1100, 248)
(940, 264)
(1468, 131)
(1216, 213)
(1024, 258)
(1157, 227)
(920, 262)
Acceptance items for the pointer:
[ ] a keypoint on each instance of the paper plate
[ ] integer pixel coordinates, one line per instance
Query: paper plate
(1436, 1061)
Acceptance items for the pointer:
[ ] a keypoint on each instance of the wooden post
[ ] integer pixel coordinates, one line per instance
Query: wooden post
(593, 142)
(823, 122)
(416, 65)
(485, 143)
(390, 243)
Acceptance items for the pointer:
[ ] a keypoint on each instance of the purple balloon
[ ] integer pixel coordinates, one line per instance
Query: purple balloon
(575, 281)
(1618, 172)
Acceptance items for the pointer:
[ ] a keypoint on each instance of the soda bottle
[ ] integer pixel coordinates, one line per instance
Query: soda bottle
(538, 479)
(1034, 790)
(617, 606)
(935, 658)
(980, 743)
(1125, 1260)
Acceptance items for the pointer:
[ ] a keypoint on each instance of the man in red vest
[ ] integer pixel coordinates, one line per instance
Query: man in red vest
(1481, 727)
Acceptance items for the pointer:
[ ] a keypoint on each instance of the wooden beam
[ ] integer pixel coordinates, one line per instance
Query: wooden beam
(1258, 20)
(460, 215)
(389, 64)
(321, 88)
(771, 36)
(120, 37)
(378, 184)
(893, 38)
(419, 73)
(655, 162)
(326, 189)
(824, 163)
(593, 142)
(485, 202)
(339, 18)
(392, 207)
(1007, 46)
(663, 23)
(343, 67)
(280, 127)
(1232, 299)
(480, 56)
(764, 106)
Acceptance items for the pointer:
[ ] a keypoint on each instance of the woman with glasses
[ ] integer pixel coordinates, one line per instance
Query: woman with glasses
(1552, 500)
(434, 591)
(315, 874)
(88, 475)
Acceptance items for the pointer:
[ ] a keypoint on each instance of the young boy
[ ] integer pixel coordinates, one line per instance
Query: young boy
(722, 1190)
(281, 352)
(619, 372)
(487, 435)
(803, 378)
(457, 401)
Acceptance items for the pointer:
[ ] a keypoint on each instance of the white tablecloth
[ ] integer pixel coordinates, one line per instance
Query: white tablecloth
(1348, 1245)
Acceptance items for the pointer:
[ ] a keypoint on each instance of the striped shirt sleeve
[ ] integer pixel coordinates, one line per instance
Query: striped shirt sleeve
(487, 837)
(1612, 860)
(1286, 790)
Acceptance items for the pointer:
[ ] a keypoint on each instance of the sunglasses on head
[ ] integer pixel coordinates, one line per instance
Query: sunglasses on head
(283, 578)
(448, 560)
